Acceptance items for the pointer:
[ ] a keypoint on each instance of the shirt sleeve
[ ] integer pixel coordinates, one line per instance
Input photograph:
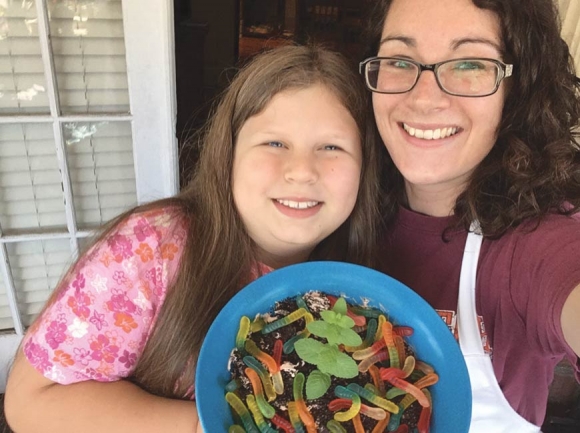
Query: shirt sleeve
(97, 325)
(547, 262)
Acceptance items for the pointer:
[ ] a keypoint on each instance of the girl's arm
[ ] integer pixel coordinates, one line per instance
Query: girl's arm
(571, 320)
(36, 404)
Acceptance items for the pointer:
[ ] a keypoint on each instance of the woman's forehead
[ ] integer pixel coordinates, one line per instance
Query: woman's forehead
(435, 23)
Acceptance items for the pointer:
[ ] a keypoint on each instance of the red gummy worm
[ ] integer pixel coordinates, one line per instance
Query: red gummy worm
(277, 355)
(282, 423)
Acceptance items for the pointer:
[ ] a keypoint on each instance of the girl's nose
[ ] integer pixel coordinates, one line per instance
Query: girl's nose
(301, 168)
(427, 95)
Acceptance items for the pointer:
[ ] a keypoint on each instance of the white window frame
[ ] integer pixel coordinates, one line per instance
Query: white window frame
(150, 56)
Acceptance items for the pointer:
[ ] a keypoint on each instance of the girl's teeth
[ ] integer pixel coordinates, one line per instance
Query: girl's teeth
(430, 134)
(298, 204)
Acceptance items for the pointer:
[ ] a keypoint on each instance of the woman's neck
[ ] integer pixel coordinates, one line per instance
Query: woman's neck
(433, 200)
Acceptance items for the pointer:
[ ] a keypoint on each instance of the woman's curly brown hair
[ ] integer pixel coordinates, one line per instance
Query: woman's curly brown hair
(534, 167)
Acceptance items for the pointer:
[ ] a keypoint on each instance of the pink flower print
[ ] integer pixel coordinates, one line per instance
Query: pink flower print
(55, 333)
(63, 358)
(168, 251)
(94, 374)
(79, 303)
(79, 282)
(120, 246)
(81, 356)
(125, 322)
(103, 350)
(143, 230)
(98, 320)
(154, 275)
(145, 252)
(37, 356)
(128, 359)
(119, 277)
(119, 302)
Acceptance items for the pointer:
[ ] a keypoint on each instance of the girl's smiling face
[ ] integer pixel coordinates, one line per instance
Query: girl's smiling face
(431, 31)
(296, 172)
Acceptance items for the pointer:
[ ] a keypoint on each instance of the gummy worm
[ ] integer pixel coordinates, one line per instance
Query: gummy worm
(342, 392)
(379, 335)
(382, 424)
(236, 429)
(290, 318)
(427, 380)
(373, 398)
(335, 427)
(410, 388)
(377, 380)
(400, 345)
(344, 403)
(358, 427)
(301, 303)
(253, 363)
(303, 412)
(240, 408)
(282, 423)
(408, 366)
(267, 410)
(253, 349)
(390, 342)
(258, 417)
(243, 332)
(366, 363)
(403, 331)
(295, 417)
(425, 417)
(369, 351)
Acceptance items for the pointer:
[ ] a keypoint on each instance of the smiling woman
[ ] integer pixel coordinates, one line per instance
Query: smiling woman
(483, 182)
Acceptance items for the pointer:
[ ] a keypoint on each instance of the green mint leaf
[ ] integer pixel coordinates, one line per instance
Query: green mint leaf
(345, 322)
(337, 363)
(318, 328)
(349, 338)
(340, 306)
(317, 384)
(310, 350)
(329, 316)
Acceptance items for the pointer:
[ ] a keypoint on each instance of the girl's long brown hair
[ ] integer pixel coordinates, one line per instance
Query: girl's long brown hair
(534, 167)
(218, 254)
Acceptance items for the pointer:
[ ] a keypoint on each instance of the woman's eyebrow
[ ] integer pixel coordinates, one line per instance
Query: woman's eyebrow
(459, 42)
(455, 44)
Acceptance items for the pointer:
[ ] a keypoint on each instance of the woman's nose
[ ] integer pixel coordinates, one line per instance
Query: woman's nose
(301, 168)
(427, 95)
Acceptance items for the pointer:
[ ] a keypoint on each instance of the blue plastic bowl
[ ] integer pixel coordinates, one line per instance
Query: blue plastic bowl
(432, 341)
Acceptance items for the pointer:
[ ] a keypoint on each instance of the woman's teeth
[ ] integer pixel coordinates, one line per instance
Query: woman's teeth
(298, 204)
(430, 134)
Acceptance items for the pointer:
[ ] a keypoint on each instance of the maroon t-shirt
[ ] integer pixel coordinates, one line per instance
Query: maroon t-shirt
(523, 279)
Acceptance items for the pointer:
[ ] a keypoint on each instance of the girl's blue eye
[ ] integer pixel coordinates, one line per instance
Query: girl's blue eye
(275, 144)
(331, 147)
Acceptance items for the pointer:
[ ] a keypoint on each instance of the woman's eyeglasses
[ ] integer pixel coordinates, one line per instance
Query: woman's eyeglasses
(471, 77)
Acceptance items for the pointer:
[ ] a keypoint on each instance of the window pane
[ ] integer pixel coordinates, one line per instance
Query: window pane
(100, 160)
(31, 195)
(89, 54)
(37, 267)
(5, 315)
(22, 83)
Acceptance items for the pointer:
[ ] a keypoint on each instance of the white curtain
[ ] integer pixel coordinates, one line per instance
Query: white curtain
(570, 15)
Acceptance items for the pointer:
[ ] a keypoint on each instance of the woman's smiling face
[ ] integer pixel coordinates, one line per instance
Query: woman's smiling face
(429, 31)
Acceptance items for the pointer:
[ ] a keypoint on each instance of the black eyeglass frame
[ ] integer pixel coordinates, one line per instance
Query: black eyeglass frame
(505, 71)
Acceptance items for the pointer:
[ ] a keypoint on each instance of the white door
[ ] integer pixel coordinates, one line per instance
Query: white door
(87, 130)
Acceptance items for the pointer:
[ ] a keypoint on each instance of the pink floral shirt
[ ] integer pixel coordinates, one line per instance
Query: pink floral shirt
(98, 326)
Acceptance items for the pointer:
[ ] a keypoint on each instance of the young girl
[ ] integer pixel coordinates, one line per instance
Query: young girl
(286, 174)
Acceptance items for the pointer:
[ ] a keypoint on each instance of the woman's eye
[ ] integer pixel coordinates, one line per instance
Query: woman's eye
(399, 64)
(275, 144)
(469, 65)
